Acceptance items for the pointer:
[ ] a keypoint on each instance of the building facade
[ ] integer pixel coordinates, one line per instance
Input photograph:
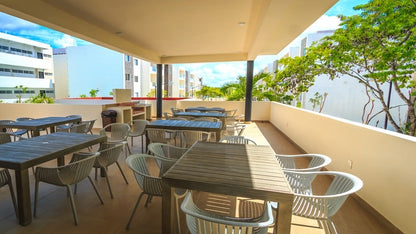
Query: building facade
(26, 68)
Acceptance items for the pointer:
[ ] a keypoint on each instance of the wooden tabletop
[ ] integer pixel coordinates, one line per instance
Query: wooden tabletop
(205, 109)
(202, 114)
(35, 124)
(233, 169)
(185, 125)
(27, 153)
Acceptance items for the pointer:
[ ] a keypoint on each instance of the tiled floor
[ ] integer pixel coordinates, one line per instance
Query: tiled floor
(54, 211)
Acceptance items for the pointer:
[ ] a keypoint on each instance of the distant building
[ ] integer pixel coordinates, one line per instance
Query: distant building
(25, 63)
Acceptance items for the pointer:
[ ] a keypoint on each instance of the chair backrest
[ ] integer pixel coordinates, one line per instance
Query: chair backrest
(175, 110)
(230, 113)
(169, 152)
(317, 161)
(78, 128)
(148, 183)
(109, 154)
(189, 137)
(89, 125)
(5, 137)
(119, 131)
(138, 126)
(75, 172)
(308, 204)
(4, 177)
(200, 221)
(237, 140)
(157, 135)
(5, 121)
(167, 115)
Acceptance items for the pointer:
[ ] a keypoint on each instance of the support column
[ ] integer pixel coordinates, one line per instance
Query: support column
(249, 90)
(159, 91)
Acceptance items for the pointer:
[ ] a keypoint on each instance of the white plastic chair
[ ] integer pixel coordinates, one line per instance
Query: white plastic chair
(237, 140)
(119, 133)
(158, 135)
(149, 185)
(170, 152)
(5, 179)
(317, 161)
(90, 125)
(67, 175)
(200, 221)
(321, 207)
(137, 129)
(189, 137)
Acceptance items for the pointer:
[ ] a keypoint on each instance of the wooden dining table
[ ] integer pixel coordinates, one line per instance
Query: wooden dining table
(21, 155)
(250, 171)
(205, 109)
(35, 125)
(205, 126)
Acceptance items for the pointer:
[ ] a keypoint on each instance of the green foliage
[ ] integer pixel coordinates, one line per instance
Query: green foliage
(375, 47)
(111, 93)
(207, 92)
(83, 96)
(23, 89)
(94, 92)
(40, 99)
(152, 93)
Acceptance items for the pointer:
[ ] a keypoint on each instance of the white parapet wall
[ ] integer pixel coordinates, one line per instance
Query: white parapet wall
(15, 110)
(384, 160)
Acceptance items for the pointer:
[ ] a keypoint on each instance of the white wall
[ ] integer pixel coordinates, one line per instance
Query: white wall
(86, 70)
(384, 160)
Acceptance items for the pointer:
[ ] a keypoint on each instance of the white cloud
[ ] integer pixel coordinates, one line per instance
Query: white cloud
(10, 23)
(66, 41)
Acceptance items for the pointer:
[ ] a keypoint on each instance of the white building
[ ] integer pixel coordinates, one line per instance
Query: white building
(25, 63)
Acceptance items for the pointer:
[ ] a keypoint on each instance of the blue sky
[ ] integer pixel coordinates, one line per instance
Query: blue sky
(214, 74)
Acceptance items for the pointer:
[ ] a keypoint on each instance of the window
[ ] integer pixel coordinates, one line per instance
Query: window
(127, 76)
(6, 91)
(41, 75)
(49, 91)
(127, 57)
(40, 55)
(47, 55)
(48, 73)
(136, 79)
(136, 62)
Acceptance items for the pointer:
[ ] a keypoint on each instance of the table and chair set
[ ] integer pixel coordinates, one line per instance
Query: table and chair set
(231, 165)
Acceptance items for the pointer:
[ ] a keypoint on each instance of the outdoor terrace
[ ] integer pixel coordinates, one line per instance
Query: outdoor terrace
(54, 212)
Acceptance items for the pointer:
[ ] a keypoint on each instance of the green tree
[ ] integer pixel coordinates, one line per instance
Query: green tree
(23, 90)
(376, 47)
(237, 91)
(208, 92)
(94, 92)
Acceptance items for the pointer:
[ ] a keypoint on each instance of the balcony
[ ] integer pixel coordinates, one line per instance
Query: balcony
(370, 150)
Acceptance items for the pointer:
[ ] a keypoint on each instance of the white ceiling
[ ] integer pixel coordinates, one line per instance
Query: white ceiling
(177, 31)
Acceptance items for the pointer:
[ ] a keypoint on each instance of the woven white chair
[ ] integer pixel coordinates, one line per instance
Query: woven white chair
(321, 207)
(317, 161)
(149, 185)
(66, 127)
(200, 221)
(15, 132)
(237, 140)
(67, 175)
(109, 154)
(118, 133)
(138, 128)
(158, 135)
(189, 137)
(78, 128)
(169, 152)
(90, 125)
(5, 179)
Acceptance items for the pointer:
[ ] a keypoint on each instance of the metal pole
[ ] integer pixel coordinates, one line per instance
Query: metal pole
(249, 90)
(159, 91)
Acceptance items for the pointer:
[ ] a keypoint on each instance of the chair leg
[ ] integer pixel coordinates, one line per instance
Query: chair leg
(108, 182)
(12, 195)
(74, 209)
(134, 210)
(131, 141)
(122, 173)
(36, 197)
(149, 199)
(96, 190)
(142, 144)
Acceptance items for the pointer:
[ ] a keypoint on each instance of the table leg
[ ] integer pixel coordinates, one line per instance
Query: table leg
(218, 135)
(23, 197)
(52, 129)
(283, 217)
(35, 133)
(167, 211)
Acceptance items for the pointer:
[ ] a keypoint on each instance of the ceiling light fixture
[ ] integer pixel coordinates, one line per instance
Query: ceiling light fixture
(241, 23)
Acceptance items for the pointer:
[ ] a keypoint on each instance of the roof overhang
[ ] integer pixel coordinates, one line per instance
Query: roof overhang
(177, 31)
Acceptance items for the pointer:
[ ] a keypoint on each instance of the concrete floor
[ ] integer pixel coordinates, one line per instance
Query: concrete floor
(55, 216)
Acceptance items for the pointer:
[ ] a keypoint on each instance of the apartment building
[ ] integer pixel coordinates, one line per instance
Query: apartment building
(25, 63)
